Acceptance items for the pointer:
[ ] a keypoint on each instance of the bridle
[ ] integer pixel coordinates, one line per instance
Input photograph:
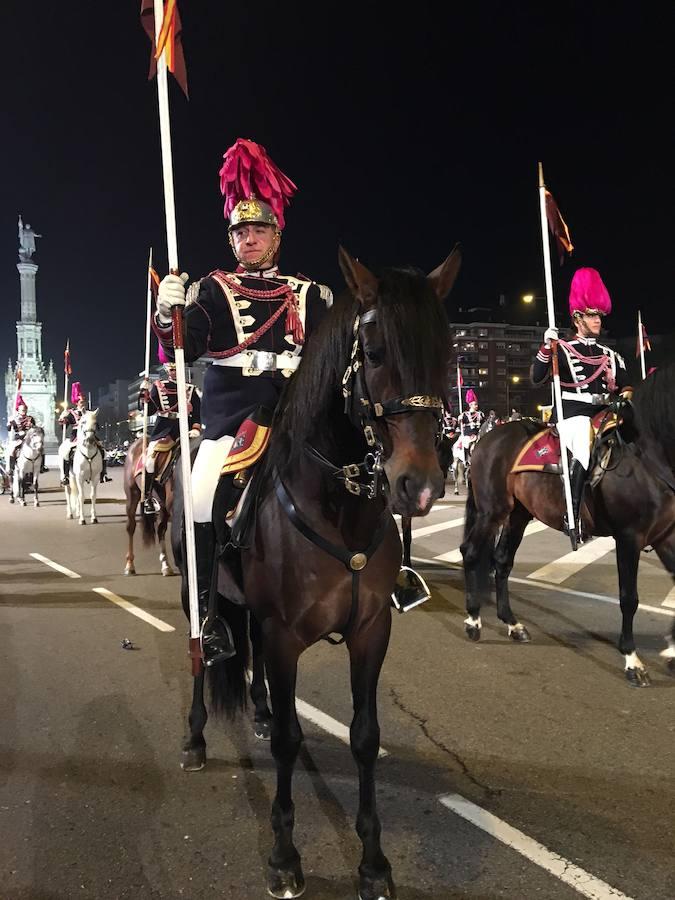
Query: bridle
(28, 451)
(365, 478)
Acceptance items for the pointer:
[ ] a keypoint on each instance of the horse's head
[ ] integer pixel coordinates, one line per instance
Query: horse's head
(398, 374)
(86, 430)
(35, 439)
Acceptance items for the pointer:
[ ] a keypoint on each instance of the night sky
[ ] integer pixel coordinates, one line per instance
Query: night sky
(403, 133)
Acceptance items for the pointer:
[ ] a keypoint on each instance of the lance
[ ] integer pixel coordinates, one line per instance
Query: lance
(641, 340)
(177, 322)
(459, 401)
(146, 371)
(65, 385)
(554, 349)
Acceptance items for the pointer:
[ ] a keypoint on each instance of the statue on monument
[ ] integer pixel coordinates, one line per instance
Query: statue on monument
(26, 241)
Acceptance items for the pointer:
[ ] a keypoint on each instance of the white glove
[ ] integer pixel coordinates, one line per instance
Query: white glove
(145, 385)
(551, 334)
(171, 293)
(194, 432)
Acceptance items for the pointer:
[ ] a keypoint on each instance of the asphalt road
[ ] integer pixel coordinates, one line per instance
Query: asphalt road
(547, 737)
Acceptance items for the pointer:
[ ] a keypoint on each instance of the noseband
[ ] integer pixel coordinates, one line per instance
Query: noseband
(366, 478)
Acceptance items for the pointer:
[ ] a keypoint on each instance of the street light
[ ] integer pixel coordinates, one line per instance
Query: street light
(528, 298)
(515, 379)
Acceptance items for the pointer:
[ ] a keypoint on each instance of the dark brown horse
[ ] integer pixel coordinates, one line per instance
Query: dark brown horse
(634, 503)
(153, 526)
(354, 441)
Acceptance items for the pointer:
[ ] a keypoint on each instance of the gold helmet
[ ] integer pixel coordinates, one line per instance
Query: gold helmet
(253, 187)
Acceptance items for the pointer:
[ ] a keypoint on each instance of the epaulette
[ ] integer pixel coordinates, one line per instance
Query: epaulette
(192, 292)
(326, 295)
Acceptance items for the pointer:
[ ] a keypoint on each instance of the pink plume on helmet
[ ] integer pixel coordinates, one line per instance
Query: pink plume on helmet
(20, 402)
(588, 293)
(471, 396)
(248, 172)
(75, 392)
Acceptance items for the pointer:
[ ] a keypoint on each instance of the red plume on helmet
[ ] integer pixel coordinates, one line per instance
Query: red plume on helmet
(471, 396)
(248, 173)
(19, 402)
(588, 293)
(75, 392)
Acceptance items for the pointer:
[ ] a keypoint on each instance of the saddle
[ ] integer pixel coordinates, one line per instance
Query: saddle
(166, 453)
(541, 453)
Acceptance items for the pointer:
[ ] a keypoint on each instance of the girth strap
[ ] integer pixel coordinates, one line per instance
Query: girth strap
(354, 561)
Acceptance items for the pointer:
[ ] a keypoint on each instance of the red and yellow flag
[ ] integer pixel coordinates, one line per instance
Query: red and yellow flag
(170, 40)
(66, 359)
(558, 227)
(154, 283)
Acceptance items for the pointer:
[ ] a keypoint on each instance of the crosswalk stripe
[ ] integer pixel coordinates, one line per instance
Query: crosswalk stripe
(439, 526)
(568, 565)
(455, 556)
(670, 599)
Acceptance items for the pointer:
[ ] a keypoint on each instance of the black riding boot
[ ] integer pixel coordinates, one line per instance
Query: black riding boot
(216, 637)
(12, 466)
(66, 471)
(577, 483)
(150, 504)
(104, 469)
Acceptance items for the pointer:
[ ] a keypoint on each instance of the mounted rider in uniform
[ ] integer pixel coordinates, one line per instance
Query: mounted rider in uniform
(252, 323)
(71, 419)
(470, 422)
(162, 400)
(591, 374)
(17, 427)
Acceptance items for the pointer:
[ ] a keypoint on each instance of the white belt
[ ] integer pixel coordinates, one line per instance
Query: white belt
(593, 399)
(253, 362)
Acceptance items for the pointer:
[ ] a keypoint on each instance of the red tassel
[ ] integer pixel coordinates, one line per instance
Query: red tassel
(294, 323)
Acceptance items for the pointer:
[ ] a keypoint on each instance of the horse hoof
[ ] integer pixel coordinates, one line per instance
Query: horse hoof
(82, 522)
(193, 760)
(263, 729)
(638, 678)
(130, 570)
(36, 505)
(519, 634)
(167, 571)
(377, 888)
(285, 884)
(472, 632)
(670, 666)
(11, 499)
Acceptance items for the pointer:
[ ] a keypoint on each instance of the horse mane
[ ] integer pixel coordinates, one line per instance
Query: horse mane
(654, 405)
(409, 313)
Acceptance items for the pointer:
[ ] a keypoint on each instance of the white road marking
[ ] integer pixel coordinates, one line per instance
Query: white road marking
(568, 565)
(583, 882)
(48, 562)
(455, 556)
(439, 526)
(670, 599)
(134, 610)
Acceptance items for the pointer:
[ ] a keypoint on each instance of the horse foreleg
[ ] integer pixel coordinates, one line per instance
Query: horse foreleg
(92, 499)
(505, 551)
(36, 490)
(194, 749)
(627, 560)
(161, 539)
(129, 568)
(284, 869)
(406, 530)
(477, 551)
(80, 500)
(366, 655)
(262, 718)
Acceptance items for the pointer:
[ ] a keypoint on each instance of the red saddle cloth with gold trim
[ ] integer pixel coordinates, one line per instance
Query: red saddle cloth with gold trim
(541, 453)
(164, 450)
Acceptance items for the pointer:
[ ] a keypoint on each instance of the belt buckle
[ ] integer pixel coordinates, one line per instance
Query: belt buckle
(260, 361)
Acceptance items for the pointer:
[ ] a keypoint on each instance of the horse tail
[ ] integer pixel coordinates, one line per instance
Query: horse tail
(148, 528)
(470, 513)
(227, 680)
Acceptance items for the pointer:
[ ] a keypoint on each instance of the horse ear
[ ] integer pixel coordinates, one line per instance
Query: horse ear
(360, 281)
(94, 412)
(443, 278)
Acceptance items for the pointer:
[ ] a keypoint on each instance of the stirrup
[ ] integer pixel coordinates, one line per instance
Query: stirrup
(410, 590)
(216, 641)
(151, 506)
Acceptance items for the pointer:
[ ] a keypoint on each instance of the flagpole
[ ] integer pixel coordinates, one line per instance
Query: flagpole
(177, 321)
(554, 349)
(65, 389)
(148, 313)
(641, 339)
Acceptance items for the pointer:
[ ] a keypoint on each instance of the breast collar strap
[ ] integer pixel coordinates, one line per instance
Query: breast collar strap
(353, 560)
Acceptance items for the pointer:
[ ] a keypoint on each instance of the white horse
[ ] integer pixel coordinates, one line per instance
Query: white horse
(86, 468)
(459, 467)
(28, 465)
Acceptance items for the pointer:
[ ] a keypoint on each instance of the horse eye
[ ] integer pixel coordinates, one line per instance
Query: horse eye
(374, 357)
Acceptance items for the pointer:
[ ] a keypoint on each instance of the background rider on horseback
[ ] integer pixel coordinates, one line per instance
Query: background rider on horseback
(591, 374)
(162, 400)
(71, 418)
(17, 427)
(470, 423)
(253, 323)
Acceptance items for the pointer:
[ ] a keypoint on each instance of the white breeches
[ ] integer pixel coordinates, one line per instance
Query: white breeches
(205, 474)
(150, 457)
(576, 434)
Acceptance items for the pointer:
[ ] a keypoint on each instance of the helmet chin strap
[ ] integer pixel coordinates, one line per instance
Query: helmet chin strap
(258, 263)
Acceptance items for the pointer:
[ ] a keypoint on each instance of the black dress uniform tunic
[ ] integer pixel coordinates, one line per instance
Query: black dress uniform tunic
(216, 320)
(163, 401)
(471, 422)
(71, 419)
(582, 399)
(20, 425)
